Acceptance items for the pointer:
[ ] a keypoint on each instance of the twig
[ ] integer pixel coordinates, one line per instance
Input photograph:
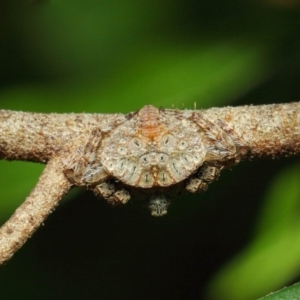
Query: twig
(42, 200)
(266, 130)
(269, 130)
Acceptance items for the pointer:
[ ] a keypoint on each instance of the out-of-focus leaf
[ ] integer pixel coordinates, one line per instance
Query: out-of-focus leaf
(16, 181)
(273, 257)
(288, 293)
(208, 74)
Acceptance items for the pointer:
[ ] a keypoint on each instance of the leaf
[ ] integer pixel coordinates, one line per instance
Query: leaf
(288, 293)
(273, 256)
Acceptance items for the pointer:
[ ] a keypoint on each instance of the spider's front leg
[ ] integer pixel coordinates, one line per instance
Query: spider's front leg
(222, 143)
(83, 168)
(223, 149)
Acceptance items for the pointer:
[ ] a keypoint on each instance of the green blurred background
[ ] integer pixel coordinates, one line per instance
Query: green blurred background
(239, 240)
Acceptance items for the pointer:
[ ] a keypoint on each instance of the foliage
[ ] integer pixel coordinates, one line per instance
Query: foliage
(290, 293)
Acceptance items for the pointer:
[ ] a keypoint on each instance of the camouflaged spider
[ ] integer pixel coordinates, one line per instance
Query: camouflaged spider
(151, 151)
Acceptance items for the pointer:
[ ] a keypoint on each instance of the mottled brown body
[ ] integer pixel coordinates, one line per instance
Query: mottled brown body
(152, 150)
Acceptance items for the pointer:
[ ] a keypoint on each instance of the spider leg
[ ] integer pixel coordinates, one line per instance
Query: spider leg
(205, 175)
(158, 205)
(113, 195)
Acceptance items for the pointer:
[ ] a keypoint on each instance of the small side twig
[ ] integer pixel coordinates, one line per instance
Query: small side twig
(43, 199)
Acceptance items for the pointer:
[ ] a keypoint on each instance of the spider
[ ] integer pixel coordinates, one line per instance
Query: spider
(151, 151)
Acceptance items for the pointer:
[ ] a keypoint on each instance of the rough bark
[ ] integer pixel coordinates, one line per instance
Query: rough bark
(268, 129)
(42, 200)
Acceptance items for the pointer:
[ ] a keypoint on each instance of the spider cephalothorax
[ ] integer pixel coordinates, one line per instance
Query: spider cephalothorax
(152, 150)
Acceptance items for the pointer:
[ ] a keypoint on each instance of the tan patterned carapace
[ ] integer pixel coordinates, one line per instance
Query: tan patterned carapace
(152, 151)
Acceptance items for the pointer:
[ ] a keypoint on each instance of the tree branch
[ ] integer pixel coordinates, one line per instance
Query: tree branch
(70, 143)
(269, 130)
(39, 137)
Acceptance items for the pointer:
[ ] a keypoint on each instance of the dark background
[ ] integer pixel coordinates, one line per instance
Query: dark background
(116, 56)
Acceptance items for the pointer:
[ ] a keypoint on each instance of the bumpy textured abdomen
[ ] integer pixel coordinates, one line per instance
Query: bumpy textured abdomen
(152, 149)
